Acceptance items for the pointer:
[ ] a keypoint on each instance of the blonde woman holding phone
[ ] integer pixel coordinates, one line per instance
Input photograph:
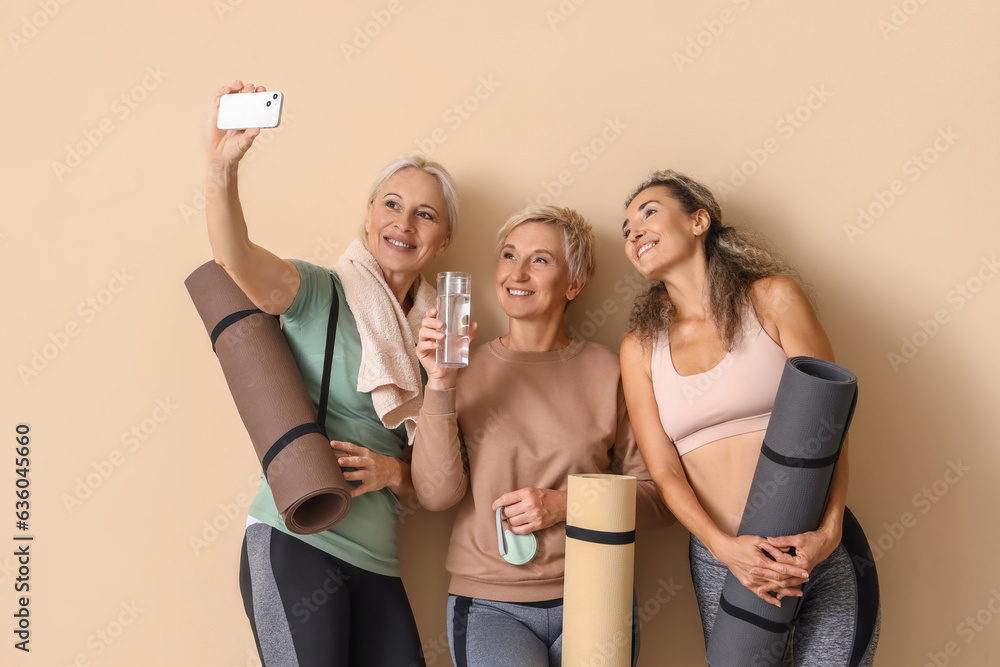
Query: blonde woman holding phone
(336, 598)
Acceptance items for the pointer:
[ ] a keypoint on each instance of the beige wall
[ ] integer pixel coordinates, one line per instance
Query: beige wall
(118, 577)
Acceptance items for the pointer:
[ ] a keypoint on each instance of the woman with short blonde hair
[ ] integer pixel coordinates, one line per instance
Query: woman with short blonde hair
(500, 437)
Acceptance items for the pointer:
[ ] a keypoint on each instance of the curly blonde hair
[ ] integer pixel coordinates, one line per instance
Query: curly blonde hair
(737, 258)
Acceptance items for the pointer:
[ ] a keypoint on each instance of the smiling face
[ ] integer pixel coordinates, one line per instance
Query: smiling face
(659, 234)
(532, 279)
(406, 225)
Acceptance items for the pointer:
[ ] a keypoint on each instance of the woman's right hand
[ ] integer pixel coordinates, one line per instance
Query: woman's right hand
(225, 148)
(428, 338)
(745, 557)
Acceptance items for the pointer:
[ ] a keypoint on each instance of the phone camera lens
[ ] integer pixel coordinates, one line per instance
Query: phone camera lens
(275, 96)
(269, 103)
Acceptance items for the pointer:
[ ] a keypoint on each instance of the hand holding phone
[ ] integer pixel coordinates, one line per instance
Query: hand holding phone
(226, 147)
(240, 111)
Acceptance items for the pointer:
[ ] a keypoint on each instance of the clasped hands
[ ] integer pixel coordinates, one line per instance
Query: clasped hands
(792, 558)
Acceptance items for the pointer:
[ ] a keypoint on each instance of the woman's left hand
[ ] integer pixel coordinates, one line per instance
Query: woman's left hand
(530, 509)
(811, 548)
(374, 471)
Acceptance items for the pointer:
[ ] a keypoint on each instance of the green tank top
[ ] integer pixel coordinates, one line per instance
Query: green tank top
(365, 538)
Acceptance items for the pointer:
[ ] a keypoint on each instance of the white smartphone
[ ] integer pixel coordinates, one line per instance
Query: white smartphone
(238, 111)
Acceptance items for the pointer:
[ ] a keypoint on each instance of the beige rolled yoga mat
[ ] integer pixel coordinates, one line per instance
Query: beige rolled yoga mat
(306, 481)
(600, 562)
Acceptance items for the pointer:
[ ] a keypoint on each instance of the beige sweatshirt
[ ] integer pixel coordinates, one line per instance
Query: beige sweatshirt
(522, 419)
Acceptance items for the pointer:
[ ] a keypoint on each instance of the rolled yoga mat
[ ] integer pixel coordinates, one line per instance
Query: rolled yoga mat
(812, 412)
(301, 467)
(600, 562)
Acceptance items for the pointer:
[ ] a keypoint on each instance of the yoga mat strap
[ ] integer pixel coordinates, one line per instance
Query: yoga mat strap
(288, 438)
(600, 536)
(793, 462)
(331, 336)
(230, 320)
(753, 619)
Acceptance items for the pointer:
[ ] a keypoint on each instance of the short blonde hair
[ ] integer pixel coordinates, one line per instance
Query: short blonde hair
(577, 236)
(434, 169)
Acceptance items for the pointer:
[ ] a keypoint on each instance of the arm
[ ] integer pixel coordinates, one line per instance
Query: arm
(440, 478)
(740, 554)
(650, 512)
(269, 281)
(788, 317)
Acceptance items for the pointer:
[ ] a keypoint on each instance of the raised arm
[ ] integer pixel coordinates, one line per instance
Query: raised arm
(740, 554)
(268, 280)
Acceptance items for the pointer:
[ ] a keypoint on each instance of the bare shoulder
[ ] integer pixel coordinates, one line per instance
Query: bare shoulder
(635, 352)
(787, 315)
(777, 297)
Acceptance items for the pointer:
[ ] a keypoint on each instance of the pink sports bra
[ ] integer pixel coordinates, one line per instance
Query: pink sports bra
(733, 398)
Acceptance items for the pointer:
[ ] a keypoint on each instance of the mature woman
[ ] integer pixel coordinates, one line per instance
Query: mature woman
(701, 363)
(532, 407)
(363, 616)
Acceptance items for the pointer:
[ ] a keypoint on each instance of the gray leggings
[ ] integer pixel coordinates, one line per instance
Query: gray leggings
(825, 631)
(486, 633)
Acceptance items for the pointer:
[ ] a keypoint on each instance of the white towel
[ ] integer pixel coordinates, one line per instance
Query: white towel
(390, 370)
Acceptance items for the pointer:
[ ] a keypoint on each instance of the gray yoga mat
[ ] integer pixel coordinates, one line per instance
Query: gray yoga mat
(791, 485)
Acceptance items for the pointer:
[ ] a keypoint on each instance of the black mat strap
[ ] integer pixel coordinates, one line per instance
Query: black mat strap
(288, 438)
(753, 619)
(793, 462)
(599, 536)
(230, 320)
(331, 337)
